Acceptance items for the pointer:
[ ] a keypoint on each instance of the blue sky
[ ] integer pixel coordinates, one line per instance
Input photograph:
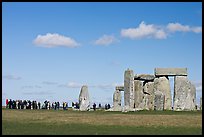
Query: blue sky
(49, 50)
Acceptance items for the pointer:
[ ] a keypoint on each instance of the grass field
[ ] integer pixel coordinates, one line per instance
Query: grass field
(51, 122)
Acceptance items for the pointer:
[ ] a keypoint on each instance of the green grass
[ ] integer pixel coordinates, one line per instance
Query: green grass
(14, 128)
(50, 122)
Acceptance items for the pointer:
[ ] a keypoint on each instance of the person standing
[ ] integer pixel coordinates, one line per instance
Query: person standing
(94, 106)
(7, 103)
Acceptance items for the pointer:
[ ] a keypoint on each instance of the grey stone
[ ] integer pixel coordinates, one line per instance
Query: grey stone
(148, 96)
(138, 87)
(170, 71)
(144, 77)
(120, 88)
(162, 84)
(158, 100)
(84, 100)
(129, 89)
(117, 101)
(184, 94)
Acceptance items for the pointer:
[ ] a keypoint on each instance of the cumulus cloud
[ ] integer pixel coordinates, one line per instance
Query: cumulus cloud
(158, 32)
(178, 27)
(173, 27)
(55, 40)
(106, 40)
(144, 31)
(11, 77)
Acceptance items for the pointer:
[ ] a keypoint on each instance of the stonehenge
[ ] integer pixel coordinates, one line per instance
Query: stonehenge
(153, 92)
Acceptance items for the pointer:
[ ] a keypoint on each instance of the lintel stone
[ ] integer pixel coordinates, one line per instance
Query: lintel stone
(170, 71)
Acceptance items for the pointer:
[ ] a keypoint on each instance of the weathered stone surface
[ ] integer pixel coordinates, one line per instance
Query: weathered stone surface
(158, 100)
(162, 84)
(120, 88)
(84, 100)
(129, 89)
(170, 71)
(184, 94)
(117, 101)
(138, 87)
(148, 96)
(144, 77)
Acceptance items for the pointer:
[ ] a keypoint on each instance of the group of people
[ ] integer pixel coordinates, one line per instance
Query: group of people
(22, 104)
(28, 104)
(107, 106)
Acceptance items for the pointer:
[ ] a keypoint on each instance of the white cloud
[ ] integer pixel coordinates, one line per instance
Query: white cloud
(177, 27)
(79, 85)
(11, 77)
(55, 40)
(71, 85)
(158, 32)
(144, 31)
(197, 29)
(106, 40)
(173, 27)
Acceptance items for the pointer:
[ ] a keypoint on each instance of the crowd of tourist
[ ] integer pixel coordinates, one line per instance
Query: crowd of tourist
(28, 104)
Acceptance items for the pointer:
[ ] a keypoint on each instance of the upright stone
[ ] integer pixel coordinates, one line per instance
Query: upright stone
(184, 94)
(148, 96)
(138, 94)
(117, 101)
(158, 100)
(129, 89)
(162, 84)
(84, 100)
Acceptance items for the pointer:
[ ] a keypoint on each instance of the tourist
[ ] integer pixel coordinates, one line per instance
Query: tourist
(94, 106)
(7, 103)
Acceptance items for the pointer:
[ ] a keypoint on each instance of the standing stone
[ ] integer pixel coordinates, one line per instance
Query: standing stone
(158, 100)
(129, 89)
(138, 94)
(162, 84)
(148, 96)
(117, 101)
(184, 94)
(84, 100)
